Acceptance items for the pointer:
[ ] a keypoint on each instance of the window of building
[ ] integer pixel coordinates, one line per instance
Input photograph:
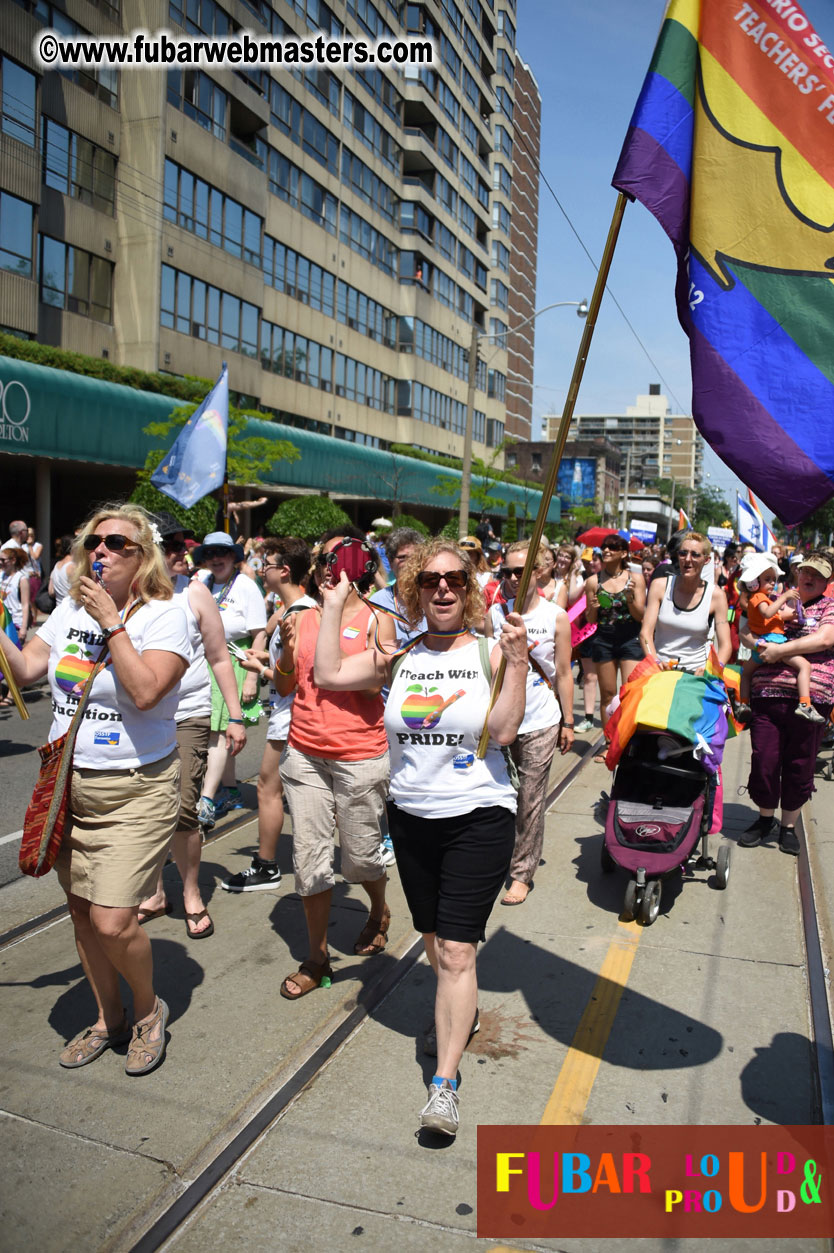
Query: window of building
(189, 202)
(500, 256)
(18, 93)
(75, 280)
(200, 17)
(74, 166)
(199, 98)
(195, 308)
(503, 142)
(365, 239)
(501, 218)
(499, 295)
(505, 66)
(505, 27)
(502, 179)
(103, 83)
(16, 235)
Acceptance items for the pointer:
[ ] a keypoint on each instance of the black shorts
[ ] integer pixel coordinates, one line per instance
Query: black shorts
(452, 869)
(620, 642)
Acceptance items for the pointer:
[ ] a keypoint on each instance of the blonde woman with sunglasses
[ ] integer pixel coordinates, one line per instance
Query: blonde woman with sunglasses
(451, 813)
(124, 785)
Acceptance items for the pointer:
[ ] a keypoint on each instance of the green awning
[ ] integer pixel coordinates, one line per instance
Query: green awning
(55, 414)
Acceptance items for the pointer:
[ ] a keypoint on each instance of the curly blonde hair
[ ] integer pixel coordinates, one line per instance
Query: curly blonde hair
(152, 581)
(474, 605)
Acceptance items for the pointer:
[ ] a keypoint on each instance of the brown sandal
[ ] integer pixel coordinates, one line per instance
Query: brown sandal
(90, 1044)
(309, 976)
(374, 936)
(147, 1046)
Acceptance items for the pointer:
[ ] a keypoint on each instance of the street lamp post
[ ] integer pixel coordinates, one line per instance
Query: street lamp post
(581, 307)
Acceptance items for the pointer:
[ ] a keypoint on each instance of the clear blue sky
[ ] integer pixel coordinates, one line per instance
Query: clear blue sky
(589, 58)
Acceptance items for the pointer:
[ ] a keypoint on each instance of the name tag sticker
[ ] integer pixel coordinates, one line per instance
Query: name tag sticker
(109, 738)
(350, 633)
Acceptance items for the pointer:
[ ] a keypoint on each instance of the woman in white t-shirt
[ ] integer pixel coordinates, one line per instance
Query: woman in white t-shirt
(243, 614)
(549, 696)
(124, 794)
(451, 813)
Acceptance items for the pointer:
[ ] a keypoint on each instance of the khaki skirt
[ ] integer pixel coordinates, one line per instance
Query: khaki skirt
(118, 831)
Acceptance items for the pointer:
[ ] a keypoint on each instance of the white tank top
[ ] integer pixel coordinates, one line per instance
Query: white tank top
(542, 708)
(195, 686)
(433, 719)
(683, 633)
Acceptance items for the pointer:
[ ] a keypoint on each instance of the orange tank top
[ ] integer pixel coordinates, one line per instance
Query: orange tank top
(342, 726)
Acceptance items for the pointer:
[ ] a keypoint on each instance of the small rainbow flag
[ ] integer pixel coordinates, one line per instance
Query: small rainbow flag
(7, 625)
(689, 705)
(730, 147)
(730, 676)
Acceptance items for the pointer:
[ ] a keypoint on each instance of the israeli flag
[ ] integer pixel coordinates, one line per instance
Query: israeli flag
(752, 528)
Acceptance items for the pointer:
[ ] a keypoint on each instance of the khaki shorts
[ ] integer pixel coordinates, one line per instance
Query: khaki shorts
(118, 832)
(325, 795)
(192, 743)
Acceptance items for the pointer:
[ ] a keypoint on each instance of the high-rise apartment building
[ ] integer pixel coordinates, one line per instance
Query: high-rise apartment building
(654, 443)
(526, 146)
(333, 236)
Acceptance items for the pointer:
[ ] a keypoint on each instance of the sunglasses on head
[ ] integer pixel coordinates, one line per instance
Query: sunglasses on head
(114, 543)
(512, 572)
(456, 579)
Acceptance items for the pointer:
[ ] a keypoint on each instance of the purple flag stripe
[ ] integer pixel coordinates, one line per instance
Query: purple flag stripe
(645, 170)
(749, 440)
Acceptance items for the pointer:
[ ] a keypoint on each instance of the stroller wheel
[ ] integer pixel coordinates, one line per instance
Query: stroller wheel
(650, 904)
(631, 901)
(722, 867)
(606, 861)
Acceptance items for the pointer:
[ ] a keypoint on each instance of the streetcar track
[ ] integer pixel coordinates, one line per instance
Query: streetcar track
(212, 1176)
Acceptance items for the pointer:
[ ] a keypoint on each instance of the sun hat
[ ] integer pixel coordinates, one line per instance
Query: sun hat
(817, 563)
(218, 539)
(755, 566)
(470, 541)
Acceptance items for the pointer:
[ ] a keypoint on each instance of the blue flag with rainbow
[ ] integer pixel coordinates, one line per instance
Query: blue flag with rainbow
(196, 462)
(731, 147)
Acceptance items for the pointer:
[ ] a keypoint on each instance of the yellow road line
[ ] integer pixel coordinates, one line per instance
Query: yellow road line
(570, 1094)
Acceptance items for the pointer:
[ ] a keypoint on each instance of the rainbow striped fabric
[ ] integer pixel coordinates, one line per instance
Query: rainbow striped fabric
(731, 147)
(7, 625)
(689, 705)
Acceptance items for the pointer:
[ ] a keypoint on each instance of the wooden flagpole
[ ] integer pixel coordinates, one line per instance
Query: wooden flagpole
(561, 439)
(13, 688)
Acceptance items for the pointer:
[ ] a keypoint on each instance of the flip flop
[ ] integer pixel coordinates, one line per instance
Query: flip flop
(148, 915)
(195, 918)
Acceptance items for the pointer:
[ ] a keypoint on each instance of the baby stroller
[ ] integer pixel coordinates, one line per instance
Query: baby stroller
(659, 814)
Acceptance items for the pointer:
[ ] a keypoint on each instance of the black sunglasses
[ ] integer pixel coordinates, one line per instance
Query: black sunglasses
(326, 559)
(455, 579)
(173, 545)
(114, 543)
(512, 572)
(221, 551)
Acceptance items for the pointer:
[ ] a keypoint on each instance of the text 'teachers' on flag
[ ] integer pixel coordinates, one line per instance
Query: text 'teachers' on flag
(731, 147)
(196, 463)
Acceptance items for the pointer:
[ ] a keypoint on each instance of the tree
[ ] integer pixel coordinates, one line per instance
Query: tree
(709, 508)
(307, 517)
(408, 519)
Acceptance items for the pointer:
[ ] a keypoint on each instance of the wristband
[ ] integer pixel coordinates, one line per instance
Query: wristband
(568, 726)
(109, 632)
(239, 721)
(285, 673)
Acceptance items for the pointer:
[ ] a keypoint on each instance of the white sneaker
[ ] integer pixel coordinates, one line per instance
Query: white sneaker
(386, 851)
(441, 1110)
(809, 713)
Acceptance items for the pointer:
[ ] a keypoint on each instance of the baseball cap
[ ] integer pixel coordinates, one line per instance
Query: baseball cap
(470, 541)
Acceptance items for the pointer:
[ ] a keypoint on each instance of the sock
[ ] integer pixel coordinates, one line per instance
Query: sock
(268, 865)
(805, 700)
(439, 1079)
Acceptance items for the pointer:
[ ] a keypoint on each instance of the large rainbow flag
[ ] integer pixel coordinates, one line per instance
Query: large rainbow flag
(731, 147)
(689, 705)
